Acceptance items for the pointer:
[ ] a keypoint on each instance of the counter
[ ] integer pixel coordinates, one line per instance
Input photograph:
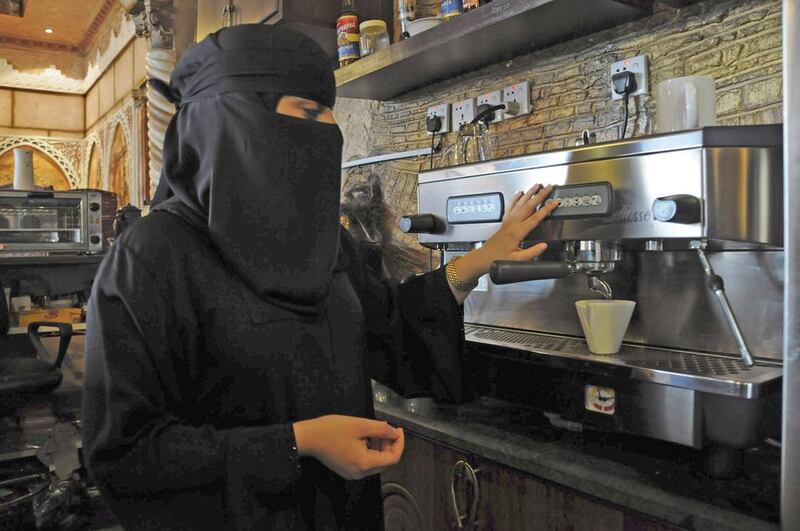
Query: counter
(647, 476)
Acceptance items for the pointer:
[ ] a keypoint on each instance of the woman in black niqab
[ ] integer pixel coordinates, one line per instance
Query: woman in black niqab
(232, 333)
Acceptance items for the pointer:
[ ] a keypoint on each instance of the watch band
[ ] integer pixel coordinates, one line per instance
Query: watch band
(454, 280)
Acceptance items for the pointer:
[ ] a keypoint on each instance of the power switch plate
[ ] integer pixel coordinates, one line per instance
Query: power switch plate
(517, 98)
(492, 98)
(637, 65)
(463, 112)
(442, 111)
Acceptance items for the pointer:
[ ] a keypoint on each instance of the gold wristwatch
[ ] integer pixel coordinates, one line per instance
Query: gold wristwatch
(454, 280)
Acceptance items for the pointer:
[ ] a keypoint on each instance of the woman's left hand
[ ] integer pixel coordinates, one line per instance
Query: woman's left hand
(520, 219)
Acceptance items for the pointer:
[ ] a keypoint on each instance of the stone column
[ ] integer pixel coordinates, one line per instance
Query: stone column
(140, 179)
(169, 27)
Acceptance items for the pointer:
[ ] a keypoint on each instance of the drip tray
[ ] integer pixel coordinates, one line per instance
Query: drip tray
(706, 373)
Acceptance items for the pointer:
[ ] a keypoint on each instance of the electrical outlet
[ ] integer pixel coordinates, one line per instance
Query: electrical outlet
(492, 98)
(442, 111)
(463, 112)
(517, 98)
(637, 65)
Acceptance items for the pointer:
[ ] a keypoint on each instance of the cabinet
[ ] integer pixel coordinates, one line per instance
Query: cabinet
(417, 496)
(314, 18)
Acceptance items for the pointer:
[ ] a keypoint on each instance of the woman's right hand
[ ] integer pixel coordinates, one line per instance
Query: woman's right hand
(353, 447)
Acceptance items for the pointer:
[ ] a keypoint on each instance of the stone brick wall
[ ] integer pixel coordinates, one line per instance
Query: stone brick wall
(738, 42)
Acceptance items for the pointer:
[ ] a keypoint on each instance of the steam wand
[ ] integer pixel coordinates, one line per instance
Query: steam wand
(718, 287)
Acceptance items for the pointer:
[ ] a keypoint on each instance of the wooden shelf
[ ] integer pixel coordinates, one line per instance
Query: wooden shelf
(492, 33)
(55, 259)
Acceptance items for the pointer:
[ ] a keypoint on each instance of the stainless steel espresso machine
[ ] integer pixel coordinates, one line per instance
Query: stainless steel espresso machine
(688, 225)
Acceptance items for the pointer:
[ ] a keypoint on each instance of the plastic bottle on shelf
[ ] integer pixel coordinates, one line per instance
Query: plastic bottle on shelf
(347, 37)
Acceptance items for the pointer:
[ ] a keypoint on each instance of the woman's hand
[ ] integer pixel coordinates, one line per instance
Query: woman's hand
(520, 219)
(353, 447)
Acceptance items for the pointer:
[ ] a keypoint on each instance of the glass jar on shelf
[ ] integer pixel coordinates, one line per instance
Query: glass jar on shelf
(373, 37)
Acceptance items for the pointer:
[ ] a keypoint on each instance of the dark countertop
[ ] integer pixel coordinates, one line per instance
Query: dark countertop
(647, 476)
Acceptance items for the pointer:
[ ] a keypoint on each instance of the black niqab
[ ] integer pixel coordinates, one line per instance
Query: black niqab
(264, 186)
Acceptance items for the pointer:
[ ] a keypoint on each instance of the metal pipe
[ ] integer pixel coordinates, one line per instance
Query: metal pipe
(600, 286)
(790, 462)
(387, 157)
(718, 287)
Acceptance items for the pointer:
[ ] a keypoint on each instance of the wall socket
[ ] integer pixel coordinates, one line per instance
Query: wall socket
(517, 98)
(463, 112)
(442, 111)
(492, 98)
(638, 65)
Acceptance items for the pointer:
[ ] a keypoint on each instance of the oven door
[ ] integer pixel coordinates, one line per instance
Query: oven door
(43, 221)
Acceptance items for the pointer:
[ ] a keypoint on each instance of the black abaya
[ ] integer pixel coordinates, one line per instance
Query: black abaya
(193, 383)
(238, 307)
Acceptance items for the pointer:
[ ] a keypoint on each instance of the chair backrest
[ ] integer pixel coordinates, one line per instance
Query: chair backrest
(64, 333)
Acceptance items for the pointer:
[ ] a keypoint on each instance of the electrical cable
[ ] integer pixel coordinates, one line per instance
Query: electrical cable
(434, 124)
(433, 148)
(625, 121)
(624, 84)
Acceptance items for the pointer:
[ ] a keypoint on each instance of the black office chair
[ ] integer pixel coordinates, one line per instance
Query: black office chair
(23, 378)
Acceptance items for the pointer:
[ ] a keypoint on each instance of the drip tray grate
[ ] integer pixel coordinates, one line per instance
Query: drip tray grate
(699, 371)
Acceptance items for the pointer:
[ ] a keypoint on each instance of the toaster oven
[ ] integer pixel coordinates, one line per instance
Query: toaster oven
(45, 222)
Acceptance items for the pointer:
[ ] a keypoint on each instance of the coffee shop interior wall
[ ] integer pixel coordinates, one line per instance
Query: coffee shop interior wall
(84, 118)
(737, 42)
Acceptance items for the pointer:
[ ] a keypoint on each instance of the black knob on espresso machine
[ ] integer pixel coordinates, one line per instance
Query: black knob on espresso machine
(511, 271)
(677, 209)
(420, 223)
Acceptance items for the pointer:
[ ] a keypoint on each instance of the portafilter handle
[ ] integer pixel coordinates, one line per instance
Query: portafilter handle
(511, 271)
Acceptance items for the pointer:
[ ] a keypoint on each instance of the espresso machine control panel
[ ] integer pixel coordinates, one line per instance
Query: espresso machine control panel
(478, 208)
(583, 200)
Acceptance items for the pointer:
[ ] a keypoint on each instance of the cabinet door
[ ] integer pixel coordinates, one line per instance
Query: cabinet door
(418, 497)
(414, 504)
(512, 500)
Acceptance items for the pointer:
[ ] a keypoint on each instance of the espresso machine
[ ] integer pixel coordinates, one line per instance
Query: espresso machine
(688, 225)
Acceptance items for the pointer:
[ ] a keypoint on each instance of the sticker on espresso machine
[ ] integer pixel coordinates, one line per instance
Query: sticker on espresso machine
(601, 400)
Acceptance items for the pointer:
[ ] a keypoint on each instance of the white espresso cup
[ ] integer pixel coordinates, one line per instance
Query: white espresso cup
(685, 103)
(604, 323)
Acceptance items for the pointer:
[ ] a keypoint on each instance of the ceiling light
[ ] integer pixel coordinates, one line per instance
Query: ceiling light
(48, 30)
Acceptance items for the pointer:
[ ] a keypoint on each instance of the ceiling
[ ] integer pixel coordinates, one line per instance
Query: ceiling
(74, 24)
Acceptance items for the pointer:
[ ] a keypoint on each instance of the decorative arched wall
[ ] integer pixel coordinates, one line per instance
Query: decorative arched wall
(119, 133)
(119, 168)
(61, 158)
(94, 170)
(100, 139)
(92, 147)
(46, 171)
